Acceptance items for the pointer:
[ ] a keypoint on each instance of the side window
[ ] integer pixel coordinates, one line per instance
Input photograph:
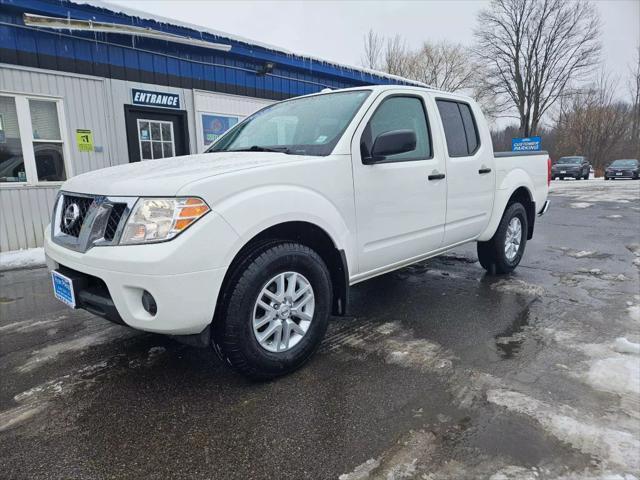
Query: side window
(459, 128)
(469, 127)
(399, 113)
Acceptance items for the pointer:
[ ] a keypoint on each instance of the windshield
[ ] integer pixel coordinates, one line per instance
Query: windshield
(570, 160)
(624, 163)
(303, 126)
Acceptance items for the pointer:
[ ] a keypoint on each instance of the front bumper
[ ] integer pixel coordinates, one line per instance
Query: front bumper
(620, 174)
(567, 174)
(185, 301)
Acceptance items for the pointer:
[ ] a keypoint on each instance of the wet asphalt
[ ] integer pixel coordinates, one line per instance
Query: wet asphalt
(83, 399)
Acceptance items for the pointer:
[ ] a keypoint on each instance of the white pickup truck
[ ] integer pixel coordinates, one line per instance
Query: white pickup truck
(251, 245)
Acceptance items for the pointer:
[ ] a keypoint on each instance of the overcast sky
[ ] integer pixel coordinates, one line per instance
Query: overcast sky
(334, 30)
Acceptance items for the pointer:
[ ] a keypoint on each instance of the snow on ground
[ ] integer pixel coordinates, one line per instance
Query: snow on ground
(597, 190)
(581, 205)
(585, 434)
(51, 352)
(31, 257)
(518, 286)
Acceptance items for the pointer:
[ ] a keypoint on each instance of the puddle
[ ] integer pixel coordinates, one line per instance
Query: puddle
(509, 342)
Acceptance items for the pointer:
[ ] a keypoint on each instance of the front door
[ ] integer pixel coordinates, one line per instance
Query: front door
(154, 133)
(401, 201)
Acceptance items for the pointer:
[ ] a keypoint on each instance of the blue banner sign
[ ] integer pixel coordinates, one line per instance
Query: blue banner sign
(155, 99)
(529, 144)
(215, 125)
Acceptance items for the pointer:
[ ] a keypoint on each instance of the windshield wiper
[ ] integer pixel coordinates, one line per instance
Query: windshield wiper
(258, 148)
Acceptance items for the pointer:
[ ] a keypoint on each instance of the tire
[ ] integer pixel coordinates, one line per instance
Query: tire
(492, 255)
(234, 336)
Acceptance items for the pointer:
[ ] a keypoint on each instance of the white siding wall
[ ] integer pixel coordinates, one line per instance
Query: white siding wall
(24, 214)
(95, 104)
(84, 101)
(25, 210)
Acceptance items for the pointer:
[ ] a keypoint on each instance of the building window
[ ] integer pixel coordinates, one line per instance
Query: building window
(31, 141)
(11, 159)
(156, 139)
(47, 142)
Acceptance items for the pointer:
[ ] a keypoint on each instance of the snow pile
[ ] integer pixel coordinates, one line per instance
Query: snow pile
(31, 257)
(622, 345)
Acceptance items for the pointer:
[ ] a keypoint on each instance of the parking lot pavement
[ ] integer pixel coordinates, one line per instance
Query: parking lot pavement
(441, 372)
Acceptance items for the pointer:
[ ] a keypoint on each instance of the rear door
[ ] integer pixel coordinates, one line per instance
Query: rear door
(400, 212)
(470, 172)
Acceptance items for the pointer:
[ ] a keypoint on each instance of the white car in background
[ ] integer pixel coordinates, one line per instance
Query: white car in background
(250, 246)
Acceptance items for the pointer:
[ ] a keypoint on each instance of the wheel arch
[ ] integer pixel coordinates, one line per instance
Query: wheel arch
(305, 233)
(516, 186)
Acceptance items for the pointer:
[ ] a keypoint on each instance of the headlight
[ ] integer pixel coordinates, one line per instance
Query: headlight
(160, 219)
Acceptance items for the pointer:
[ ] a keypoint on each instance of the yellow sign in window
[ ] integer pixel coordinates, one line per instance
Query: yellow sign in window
(84, 139)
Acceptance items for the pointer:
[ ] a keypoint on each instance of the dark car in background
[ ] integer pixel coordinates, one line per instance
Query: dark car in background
(623, 168)
(571, 167)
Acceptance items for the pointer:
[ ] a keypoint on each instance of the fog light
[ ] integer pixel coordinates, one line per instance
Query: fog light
(149, 303)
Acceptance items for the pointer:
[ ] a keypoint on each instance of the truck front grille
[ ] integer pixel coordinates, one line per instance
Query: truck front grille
(83, 204)
(115, 217)
(83, 221)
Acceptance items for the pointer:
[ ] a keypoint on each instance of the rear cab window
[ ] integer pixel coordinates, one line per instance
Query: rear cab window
(460, 128)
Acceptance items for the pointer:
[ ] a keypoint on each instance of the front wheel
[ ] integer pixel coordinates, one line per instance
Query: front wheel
(503, 252)
(275, 310)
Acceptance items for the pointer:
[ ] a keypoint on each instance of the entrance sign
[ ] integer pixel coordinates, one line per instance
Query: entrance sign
(155, 99)
(529, 144)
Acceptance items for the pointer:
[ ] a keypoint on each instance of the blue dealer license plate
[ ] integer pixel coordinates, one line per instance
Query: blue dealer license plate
(63, 289)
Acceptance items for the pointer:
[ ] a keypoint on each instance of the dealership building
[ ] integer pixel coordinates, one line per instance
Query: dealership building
(85, 85)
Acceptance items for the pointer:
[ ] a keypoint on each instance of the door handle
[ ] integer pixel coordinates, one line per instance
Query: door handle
(482, 171)
(436, 176)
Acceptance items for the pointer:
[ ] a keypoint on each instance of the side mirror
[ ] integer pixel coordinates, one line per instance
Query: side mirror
(391, 143)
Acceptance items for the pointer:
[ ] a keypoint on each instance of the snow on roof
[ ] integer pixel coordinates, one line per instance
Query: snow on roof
(132, 12)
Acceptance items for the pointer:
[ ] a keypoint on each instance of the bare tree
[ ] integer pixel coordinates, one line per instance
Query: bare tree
(594, 123)
(634, 88)
(535, 51)
(443, 65)
(397, 57)
(373, 45)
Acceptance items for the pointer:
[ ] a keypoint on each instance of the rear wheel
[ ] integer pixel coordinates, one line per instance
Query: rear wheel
(503, 252)
(275, 312)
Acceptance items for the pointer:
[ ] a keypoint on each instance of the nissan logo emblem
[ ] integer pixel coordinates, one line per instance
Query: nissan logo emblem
(71, 215)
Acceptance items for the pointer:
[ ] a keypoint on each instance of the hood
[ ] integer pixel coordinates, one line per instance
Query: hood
(166, 176)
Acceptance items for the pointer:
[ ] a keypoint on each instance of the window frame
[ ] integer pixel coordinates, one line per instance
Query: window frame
(473, 119)
(27, 140)
(161, 141)
(421, 99)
